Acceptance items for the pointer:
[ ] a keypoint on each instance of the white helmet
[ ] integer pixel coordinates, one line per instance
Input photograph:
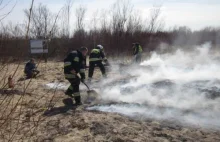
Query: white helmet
(100, 47)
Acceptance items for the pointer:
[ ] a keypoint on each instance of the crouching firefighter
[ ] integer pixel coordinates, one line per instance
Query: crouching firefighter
(30, 69)
(95, 59)
(74, 64)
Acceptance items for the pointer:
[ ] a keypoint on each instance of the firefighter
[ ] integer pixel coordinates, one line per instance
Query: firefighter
(96, 57)
(30, 69)
(137, 52)
(74, 63)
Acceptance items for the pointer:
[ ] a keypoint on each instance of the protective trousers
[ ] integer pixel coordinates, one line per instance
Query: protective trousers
(32, 73)
(92, 67)
(73, 90)
(138, 57)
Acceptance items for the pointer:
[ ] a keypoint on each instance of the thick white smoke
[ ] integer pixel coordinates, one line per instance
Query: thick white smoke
(182, 86)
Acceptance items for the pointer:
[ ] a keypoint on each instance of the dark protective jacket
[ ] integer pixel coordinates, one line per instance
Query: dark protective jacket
(96, 55)
(29, 67)
(137, 49)
(74, 61)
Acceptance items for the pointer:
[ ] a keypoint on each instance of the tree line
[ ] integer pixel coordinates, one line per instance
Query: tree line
(115, 29)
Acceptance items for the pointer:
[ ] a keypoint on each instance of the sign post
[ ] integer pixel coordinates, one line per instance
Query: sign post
(39, 46)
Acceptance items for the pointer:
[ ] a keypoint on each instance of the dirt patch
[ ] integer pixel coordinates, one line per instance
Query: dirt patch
(39, 115)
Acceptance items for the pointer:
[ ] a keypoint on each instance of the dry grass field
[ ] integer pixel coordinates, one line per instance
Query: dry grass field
(33, 112)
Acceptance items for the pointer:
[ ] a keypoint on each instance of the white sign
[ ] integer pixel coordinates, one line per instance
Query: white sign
(38, 51)
(38, 46)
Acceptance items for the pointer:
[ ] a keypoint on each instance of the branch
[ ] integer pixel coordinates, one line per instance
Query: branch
(5, 4)
(32, 3)
(9, 12)
(55, 21)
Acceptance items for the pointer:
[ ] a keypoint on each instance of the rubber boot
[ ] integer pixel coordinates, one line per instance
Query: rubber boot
(78, 100)
(69, 93)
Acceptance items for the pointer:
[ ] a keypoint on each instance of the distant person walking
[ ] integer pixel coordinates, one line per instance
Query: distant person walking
(137, 52)
(30, 69)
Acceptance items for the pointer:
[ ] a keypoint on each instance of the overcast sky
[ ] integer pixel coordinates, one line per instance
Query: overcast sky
(195, 14)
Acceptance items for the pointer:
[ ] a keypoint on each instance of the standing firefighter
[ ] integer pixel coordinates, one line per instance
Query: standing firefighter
(95, 59)
(74, 64)
(137, 51)
(30, 69)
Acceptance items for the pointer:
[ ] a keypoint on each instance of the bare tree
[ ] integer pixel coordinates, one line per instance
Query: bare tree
(104, 23)
(80, 17)
(15, 30)
(65, 31)
(29, 18)
(120, 14)
(94, 21)
(155, 23)
(79, 34)
(41, 21)
(134, 23)
(94, 31)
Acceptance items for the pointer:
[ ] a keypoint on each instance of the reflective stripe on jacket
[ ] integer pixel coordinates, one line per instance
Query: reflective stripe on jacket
(96, 55)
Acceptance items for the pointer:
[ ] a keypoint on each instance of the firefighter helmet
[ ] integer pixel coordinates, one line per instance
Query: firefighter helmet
(100, 47)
